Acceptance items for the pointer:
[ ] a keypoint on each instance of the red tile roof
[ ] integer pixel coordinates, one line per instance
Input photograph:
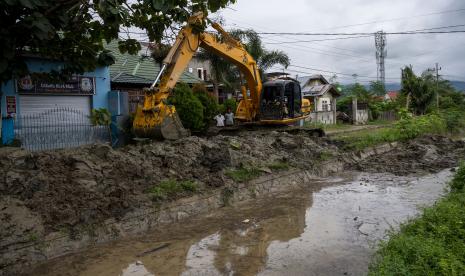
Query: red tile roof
(393, 94)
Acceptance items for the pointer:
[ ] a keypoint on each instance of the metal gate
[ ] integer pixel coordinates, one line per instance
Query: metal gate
(58, 128)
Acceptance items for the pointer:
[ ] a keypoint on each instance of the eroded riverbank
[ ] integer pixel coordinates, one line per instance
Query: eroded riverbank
(329, 228)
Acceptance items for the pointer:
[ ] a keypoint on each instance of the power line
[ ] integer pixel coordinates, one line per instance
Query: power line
(340, 74)
(309, 73)
(377, 21)
(320, 51)
(364, 34)
(420, 31)
(396, 19)
(325, 39)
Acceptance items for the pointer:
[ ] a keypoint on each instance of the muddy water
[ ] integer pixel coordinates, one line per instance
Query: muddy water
(330, 229)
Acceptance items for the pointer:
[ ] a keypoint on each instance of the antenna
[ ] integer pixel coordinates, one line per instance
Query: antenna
(381, 53)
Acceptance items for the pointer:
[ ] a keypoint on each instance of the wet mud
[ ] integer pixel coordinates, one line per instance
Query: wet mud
(331, 228)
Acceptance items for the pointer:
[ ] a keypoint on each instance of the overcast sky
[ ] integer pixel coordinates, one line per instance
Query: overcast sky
(357, 56)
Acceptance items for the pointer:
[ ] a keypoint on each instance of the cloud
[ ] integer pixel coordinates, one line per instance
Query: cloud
(358, 55)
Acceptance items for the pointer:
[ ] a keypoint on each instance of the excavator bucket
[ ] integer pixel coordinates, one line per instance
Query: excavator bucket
(161, 123)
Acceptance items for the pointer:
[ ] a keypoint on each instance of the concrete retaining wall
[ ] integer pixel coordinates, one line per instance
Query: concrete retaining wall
(16, 256)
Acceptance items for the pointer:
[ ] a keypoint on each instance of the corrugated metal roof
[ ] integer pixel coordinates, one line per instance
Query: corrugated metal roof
(140, 67)
(304, 80)
(318, 90)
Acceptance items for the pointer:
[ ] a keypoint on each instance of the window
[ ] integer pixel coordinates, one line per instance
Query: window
(325, 105)
(200, 73)
(205, 76)
(191, 70)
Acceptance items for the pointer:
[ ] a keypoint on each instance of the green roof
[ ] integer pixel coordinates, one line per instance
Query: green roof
(139, 69)
(122, 77)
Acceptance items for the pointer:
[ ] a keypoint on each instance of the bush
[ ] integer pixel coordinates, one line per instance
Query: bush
(210, 107)
(455, 120)
(188, 106)
(433, 244)
(229, 103)
(410, 127)
(458, 183)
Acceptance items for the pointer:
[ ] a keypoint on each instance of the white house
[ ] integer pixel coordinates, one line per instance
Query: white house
(322, 95)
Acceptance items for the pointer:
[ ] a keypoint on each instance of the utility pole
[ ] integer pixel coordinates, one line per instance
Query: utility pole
(355, 76)
(436, 71)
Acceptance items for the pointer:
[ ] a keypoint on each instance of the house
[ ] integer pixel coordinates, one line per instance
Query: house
(322, 95)
(36, 106)
(132, 73)
(391, 96)
(199, 68)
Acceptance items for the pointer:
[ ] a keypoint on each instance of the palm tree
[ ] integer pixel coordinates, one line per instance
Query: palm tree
(223, 71)
(265, 58)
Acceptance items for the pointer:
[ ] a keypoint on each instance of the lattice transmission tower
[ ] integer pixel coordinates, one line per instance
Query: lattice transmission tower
(381, 53)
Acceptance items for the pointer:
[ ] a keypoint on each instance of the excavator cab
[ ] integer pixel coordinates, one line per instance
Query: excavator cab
(281, 100)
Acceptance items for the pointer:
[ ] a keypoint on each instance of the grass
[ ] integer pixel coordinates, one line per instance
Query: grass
(170, 189)
(408, 127)
(279, 166)
(325, 155)
(433, 244)
(247, 173)
(243, 174)
(326, 126)
(367, 138)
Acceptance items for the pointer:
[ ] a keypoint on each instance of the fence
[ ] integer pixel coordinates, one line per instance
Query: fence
(57, 128)
(388, 116)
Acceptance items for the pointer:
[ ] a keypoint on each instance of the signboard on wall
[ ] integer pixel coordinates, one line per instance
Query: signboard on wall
(76, 85)
(10, 105)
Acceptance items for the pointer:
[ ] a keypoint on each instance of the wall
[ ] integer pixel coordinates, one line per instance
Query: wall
(102, 83)
(197, 63)
(361, 117)
(36, 65)
(326, 118)
(328, 98)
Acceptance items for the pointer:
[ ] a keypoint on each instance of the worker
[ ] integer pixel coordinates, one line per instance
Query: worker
(219, 120)
(229, 117)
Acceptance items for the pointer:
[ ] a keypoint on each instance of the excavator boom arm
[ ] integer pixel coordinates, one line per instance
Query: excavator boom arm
(154, 111)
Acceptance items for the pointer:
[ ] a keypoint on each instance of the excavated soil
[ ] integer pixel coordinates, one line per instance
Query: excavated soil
(74, 187)
(68, 188)
(423, 155)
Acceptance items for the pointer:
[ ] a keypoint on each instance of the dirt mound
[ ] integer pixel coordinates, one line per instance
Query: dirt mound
(422, 155)
(86, 185)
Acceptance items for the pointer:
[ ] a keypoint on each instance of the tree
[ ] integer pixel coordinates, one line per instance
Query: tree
(210, 107)
(221, 70)
(265, 58)
(419, 91)
(377, 88)
(102, 117)
(188, 107)
(360, 92)
(74, 31)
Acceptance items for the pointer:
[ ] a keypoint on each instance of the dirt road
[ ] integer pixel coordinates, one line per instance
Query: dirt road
(330, 229)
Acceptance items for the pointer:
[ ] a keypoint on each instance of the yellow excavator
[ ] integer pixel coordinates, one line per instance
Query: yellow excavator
(277, 102)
